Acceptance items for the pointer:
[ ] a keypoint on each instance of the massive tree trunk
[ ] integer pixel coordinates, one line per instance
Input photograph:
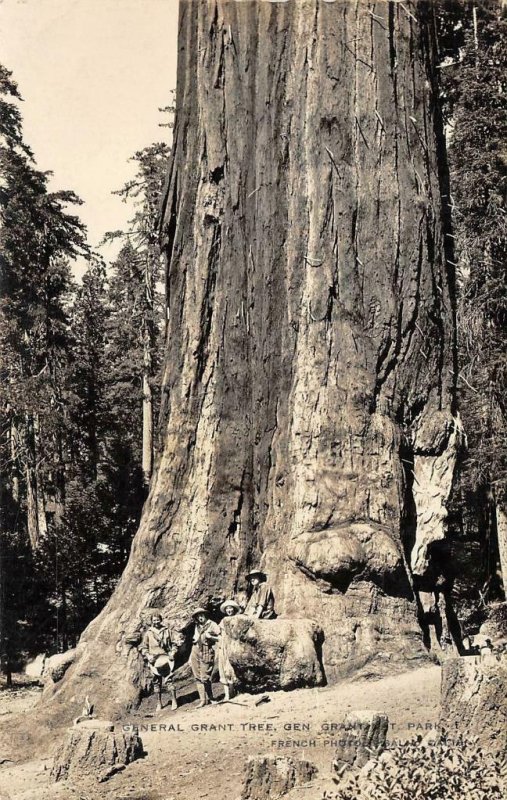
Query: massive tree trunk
(307, 420)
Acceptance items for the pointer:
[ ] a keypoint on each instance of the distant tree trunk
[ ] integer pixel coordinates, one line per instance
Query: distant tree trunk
(3, 629)
(63, 623)
(147, 429)
(58, 477)
(147, 464)
(307, 414)
(32, 517)
(501, 531)
(59, 485)
(14, 454)
(9, 499)
(35, 503)
(148, 345)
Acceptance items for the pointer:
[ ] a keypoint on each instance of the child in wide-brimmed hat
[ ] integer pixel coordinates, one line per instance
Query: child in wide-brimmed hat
(158, 647)
(226, 676)
(202, 657)
(261, 600)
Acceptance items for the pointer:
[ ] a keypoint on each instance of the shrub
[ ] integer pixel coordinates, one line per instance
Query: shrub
(418, 770)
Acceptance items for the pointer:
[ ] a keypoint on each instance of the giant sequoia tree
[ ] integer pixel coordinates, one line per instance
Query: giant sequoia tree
(307, 415)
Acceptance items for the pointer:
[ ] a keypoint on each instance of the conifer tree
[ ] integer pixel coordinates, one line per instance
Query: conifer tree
(145, 270)
(475, 65)
(38, 237)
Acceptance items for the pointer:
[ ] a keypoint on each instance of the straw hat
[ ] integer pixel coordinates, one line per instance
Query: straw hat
(162, 666)
(200, 611)
(256, 572)
(229, 604)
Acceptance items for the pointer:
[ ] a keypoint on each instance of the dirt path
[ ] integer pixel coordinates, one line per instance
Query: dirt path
(18, 700)
(200, 753)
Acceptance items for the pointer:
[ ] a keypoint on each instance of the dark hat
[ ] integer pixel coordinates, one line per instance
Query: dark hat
(227, 604)
(254, 572)
(200, 611)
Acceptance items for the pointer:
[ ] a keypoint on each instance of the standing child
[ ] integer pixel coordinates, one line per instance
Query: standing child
(225, 672)
(202, 657)
(158, 647)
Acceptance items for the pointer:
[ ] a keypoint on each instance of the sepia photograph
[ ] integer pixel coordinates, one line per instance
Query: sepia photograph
(253, 400)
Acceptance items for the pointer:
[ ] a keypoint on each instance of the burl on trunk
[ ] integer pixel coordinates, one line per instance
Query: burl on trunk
(307, 419)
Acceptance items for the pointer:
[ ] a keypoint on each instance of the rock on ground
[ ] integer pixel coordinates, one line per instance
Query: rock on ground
(56, 666)
(474, 700)
(268, 777)
(93, 748)
(273, 654)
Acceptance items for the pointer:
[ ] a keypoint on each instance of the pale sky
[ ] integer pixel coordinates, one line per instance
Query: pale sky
(93, 74)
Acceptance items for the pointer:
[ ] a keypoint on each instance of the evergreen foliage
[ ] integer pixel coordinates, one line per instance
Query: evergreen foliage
(73, 360)
(38, 238)
(474, 69)
(135, 294)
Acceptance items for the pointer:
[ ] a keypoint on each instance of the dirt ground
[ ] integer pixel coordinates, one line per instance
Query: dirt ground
(201, 753)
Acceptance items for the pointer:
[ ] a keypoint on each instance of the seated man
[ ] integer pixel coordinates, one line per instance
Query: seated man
(260, 597)
(158, 648)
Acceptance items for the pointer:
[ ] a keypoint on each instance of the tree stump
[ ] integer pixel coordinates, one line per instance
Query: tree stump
(364, 737)
(268, 777)
(474, 700)
(93, 749)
